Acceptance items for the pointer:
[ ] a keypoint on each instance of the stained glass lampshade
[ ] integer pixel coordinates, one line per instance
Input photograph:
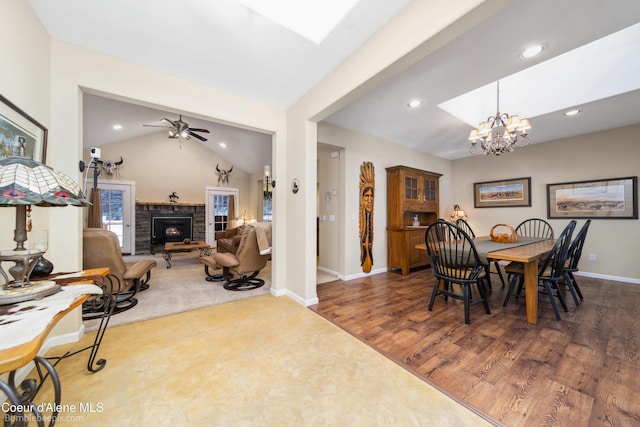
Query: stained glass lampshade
(25, 182)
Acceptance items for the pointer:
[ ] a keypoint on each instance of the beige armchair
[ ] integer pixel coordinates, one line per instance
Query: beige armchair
(101, 248)
(250, 258)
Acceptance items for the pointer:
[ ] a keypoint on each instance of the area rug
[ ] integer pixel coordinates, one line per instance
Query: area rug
(177, 289)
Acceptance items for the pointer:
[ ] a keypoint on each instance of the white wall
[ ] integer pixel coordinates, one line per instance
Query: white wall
(24, 80)
(75, 70)
(160, 166)
(359, 148)
(403, 40)
(611, 154)
(330, 211)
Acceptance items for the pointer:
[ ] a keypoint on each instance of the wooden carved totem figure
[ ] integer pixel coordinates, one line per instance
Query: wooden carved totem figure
(367, 189)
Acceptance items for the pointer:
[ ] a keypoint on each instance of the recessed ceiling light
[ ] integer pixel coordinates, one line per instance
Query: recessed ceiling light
(534, 91)
(117, 127)
(531, 51)
(223, 145)
(414, 103)
(572, 112)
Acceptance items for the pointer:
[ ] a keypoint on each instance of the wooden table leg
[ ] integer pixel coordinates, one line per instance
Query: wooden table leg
(531, 290)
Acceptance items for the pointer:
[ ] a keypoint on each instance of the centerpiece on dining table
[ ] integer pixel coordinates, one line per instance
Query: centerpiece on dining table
(511, 237)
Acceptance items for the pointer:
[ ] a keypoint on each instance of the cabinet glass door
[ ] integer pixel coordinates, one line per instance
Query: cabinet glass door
(410, 188)
(429, 189)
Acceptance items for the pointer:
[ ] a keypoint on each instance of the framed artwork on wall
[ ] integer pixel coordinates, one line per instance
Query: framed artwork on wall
(502, 194)
(17, 129)
(614, 198)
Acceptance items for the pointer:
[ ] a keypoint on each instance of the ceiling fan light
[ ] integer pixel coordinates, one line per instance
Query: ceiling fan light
(172, 133)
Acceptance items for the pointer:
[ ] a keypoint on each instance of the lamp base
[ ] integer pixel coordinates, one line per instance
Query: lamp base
(35, 290)
(24, 262)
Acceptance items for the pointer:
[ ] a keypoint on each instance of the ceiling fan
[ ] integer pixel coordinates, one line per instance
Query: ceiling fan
(181, 129)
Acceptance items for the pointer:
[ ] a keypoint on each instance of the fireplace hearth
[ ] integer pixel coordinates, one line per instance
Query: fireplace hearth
(170, 228)
(145, 211)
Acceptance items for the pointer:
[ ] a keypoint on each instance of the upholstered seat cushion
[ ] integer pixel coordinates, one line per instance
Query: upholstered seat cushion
(138, 269)
(225, 259)
(209, 261)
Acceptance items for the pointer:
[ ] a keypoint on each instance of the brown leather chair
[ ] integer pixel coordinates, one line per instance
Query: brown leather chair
(101, 248)
(247, 261)
(229, 240)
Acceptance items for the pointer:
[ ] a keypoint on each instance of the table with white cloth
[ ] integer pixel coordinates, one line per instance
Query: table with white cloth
(24, 327)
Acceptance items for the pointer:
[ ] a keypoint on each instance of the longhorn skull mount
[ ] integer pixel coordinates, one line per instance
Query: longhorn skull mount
(223, 175)
(109, 166)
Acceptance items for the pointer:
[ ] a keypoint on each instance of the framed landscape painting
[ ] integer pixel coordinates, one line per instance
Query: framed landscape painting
(614, 198)
(502, 194)
(19, 129)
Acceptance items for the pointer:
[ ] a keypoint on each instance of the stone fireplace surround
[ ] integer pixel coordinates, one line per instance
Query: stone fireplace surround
(145, 210)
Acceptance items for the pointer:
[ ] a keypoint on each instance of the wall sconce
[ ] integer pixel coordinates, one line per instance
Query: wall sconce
(457, 213)
(268, 181)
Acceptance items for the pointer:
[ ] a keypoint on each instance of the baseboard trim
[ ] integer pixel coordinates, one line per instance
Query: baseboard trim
(608, 277)
(361, 275)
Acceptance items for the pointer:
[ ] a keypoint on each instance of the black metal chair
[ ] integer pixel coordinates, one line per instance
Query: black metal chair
(550, 272)
(455, 261)
(464, 225)
(573, 258)
(535, 227)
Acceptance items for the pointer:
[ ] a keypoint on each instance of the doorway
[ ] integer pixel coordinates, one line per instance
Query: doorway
(220, 210)
(118, 202)
(330, 212)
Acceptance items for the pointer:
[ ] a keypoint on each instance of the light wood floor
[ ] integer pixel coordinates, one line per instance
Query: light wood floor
(261, 361)
(581, 371)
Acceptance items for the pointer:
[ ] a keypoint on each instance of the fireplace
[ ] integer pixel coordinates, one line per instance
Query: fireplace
(171, 228)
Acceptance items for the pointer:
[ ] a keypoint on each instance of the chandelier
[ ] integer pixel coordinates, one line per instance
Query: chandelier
(500, 133)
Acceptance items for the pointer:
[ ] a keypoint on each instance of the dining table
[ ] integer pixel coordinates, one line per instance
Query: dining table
(528, 251)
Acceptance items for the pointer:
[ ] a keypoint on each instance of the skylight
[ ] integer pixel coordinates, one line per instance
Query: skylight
(592, 72)
(311, 19)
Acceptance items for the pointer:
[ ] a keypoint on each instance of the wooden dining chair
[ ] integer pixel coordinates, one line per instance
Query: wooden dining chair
(573, 258)
(550, 272)
(464, 225)
(535, 227)
(455, 261)
(532, 227)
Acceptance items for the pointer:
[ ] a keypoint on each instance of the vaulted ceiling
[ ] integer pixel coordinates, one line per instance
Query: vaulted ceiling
(225, 45)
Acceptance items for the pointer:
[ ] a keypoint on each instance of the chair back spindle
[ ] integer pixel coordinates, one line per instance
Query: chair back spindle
(535, 227)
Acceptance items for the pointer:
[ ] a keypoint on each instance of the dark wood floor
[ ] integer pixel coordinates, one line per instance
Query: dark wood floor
(581, 371)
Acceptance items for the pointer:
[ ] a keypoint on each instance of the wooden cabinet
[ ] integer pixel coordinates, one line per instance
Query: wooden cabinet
(412, 194)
